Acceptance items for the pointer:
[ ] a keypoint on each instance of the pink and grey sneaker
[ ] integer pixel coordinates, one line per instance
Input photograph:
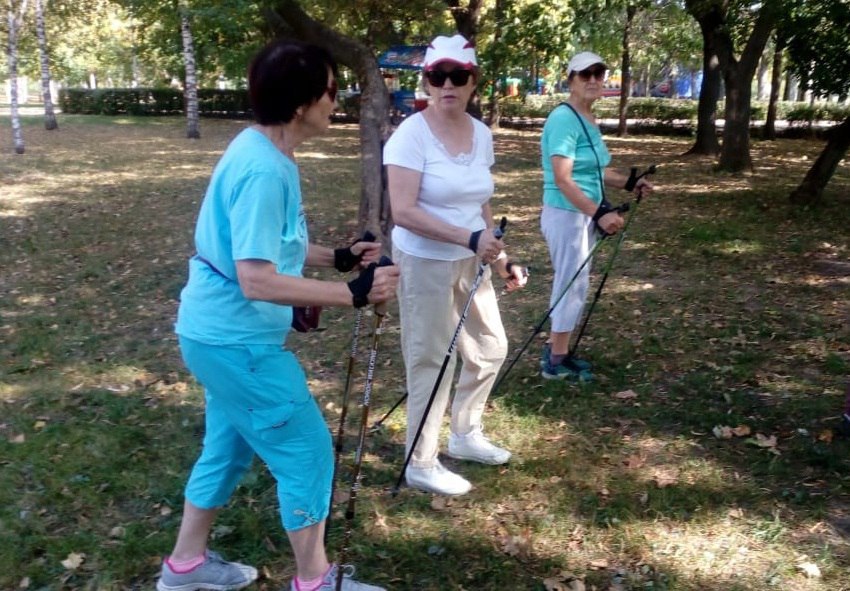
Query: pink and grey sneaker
(348, 583)
(214, 574)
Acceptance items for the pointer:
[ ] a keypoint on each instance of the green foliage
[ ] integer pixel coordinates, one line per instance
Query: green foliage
(808, 113)
(152, 101)
(818, 44)
(664, 110)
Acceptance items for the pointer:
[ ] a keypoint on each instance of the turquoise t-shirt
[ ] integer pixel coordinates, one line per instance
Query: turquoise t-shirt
(252, 210)
(563, 136)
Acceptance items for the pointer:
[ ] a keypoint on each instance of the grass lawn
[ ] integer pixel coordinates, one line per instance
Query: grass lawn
(703, 457)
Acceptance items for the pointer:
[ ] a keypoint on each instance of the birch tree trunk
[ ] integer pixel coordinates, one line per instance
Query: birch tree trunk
(497, 89)
(190, 91)
(12, 58)
(775, 81)
(626, 68)
(49, 115)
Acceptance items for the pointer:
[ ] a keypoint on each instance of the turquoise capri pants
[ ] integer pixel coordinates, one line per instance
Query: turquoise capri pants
(257, 402)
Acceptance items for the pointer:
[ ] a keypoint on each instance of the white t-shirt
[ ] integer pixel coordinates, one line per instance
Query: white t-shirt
(453, 188)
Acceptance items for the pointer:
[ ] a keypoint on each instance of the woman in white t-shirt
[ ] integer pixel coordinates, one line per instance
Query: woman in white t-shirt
(438, 167)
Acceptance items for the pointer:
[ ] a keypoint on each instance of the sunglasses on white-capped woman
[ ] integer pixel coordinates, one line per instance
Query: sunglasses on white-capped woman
(598, 73)
(459, 77)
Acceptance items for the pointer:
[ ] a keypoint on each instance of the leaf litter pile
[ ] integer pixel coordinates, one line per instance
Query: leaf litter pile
(705, 455)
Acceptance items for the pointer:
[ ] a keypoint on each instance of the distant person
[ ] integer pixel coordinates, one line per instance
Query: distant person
(234, 316)
(575, 173)
(438, 168)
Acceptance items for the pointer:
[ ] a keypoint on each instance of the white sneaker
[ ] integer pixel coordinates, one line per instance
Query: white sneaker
(437, 479)
(474, 446)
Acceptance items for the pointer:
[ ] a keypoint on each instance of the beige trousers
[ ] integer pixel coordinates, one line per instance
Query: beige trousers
(431, 296)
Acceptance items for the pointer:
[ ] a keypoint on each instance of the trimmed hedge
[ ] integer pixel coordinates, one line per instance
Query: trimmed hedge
(152, 101)
(235, 104)
(667, 111)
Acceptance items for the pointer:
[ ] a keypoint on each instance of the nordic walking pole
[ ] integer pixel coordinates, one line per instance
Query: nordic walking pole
(499, 232)
(380, 311)
(548, 313)
(623, 208)
(358, 320)
(574, 348)
(380, 422)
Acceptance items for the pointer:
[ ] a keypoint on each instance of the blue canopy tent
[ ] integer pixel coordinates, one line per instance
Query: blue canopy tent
(403, 57)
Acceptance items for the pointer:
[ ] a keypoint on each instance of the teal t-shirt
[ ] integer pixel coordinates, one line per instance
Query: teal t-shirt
(563, 136)
(252, 210)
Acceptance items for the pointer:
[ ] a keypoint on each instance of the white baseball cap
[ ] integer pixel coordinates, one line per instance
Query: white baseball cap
(582, 61)
(450, 49)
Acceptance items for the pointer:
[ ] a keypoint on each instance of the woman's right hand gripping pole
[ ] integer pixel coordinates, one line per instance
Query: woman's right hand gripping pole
(376, 284)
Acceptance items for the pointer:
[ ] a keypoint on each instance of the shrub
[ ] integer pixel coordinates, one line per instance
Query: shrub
(152, 101)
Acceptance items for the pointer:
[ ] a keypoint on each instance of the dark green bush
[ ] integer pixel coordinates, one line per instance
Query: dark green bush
(152, 101)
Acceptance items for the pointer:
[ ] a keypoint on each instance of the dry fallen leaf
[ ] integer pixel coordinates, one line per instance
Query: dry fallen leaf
(735, 513)
(73, 561)
(25, 583)
(763, 441)
(810, 569)
(826, 436)
(553, 584)
(741, 431)
(635, 461)
(626, 394)
(599, 563)
(665, 477)
(516, 545)
(722, 432)
(18, 438)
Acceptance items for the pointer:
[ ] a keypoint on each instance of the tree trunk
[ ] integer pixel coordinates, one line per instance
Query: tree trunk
(761, 77)
(706, 142)
(12, 58)
(494, 110)
(49, 114)
(288, 17)
(735, 154)
(466, 19)
(790, 87)
(811, 189)
(775, 82)
(190, 91)
(738, 76)
(626, 67)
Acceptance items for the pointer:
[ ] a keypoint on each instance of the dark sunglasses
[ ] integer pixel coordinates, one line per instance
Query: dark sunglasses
(438, 77)
(598, 73)
(332, 90)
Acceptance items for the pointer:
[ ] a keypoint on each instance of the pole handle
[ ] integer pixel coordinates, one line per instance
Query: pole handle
(381, 309)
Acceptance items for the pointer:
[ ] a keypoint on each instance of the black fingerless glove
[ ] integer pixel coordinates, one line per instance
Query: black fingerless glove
(345, 260)
(362, 285)
(631, 183)
(473, 241)
(604, 208)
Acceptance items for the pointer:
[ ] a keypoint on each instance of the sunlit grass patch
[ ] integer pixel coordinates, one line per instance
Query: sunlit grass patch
(725, 309)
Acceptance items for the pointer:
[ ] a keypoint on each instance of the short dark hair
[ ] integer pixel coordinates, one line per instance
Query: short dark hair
(286, 75)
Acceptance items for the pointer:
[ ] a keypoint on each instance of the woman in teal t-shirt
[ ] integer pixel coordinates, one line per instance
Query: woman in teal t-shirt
(574, 171)
(235, 313)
